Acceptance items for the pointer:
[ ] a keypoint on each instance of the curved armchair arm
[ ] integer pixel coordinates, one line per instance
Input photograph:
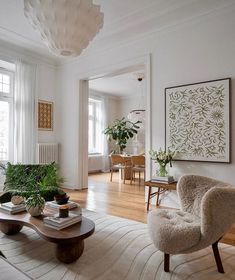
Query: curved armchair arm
(218, 212)
(191, 189)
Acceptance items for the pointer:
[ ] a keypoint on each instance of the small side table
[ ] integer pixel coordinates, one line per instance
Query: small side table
(161, 188)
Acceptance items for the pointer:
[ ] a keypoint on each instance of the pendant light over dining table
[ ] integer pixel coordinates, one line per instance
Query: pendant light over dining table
(138, 114)
(66, 26)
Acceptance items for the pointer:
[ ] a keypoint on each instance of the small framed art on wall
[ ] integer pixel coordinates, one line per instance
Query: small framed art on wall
(45, 115)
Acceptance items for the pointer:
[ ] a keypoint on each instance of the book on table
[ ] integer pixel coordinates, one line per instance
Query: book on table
(10, 208)
(71, 204)
(58, 223)
(166, 180)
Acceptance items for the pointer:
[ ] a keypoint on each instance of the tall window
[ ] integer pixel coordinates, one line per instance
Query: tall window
(6, 127)
(95, 127)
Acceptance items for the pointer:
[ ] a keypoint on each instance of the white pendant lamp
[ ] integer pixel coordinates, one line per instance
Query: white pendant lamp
(66, 26)
(138, 114)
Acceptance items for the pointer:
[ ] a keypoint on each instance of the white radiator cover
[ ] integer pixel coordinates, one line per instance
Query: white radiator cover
(98, 163)
(47, 153)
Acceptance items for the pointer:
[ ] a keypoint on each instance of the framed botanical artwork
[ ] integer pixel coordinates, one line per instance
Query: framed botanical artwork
(197, 121)
(45, 115)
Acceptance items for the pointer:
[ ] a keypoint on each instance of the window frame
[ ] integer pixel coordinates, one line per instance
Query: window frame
(9, 98)
(94, 118)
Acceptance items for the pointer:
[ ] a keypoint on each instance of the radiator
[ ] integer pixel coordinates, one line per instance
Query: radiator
(47, 153)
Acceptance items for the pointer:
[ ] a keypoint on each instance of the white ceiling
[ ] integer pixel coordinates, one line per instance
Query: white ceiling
(123, 20)
(122, 85)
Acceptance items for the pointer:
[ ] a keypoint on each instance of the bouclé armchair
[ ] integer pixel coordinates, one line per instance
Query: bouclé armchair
(207, 213)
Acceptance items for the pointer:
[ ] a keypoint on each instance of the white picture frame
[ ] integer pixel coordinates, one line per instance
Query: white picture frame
(197, 121)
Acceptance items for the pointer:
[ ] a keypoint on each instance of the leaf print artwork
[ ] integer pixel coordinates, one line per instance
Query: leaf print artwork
(197, 121)
(217, 115)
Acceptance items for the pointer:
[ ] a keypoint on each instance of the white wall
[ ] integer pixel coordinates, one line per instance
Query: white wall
(198, 50)
(47, 90)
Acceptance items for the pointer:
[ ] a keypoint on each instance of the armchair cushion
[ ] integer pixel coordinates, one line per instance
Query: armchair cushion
(167, 227)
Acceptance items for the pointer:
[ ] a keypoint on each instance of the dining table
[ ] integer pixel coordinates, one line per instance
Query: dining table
(127, 158)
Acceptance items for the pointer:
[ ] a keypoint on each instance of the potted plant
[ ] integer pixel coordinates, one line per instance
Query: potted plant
(25, 180)
(35, 204)
(121, 131)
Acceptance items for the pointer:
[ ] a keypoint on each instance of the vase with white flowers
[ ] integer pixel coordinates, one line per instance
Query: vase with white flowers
(162, 157)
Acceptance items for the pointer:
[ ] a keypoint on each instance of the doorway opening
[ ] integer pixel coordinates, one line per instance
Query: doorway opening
(118, 96)
(113, 199)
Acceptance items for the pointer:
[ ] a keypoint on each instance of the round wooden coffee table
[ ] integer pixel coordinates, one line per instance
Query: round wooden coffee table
(69, 241)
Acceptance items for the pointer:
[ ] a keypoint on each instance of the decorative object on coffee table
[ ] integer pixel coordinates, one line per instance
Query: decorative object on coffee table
(62, 198)
(63, 211)
(197, 122)
(17, 199)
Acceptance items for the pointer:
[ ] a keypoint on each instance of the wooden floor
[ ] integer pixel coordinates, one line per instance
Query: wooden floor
(122, 200)
(114, 198)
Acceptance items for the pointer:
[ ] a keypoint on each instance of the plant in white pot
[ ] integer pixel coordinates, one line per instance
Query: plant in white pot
(35, 204)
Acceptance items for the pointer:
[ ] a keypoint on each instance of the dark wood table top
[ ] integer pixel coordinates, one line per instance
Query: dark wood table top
(73, 233)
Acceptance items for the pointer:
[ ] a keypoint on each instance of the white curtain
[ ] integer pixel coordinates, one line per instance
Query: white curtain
(25, 113)
(105, 147)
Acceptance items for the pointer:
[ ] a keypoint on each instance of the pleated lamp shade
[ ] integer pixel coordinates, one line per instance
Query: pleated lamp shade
(66, 26)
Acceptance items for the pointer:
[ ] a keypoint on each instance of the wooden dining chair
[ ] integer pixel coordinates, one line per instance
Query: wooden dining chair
(119, 163)
(138, 165)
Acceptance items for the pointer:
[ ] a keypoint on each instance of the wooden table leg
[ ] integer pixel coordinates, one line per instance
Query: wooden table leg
(10, 229)
(158, 194)
(149, 195)
(69, 252)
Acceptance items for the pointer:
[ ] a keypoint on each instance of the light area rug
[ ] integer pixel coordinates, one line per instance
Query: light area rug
(119, 249)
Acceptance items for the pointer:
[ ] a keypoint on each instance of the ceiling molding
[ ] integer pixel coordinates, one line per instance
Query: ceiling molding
(173, 16)
(149, 12)
(149, 18)
(112, 41)
(10, 52)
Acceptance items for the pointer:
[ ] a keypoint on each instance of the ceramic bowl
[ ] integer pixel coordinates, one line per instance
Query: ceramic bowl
(61, 199)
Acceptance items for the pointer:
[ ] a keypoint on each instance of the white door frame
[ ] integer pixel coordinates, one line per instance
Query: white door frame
(83, 114)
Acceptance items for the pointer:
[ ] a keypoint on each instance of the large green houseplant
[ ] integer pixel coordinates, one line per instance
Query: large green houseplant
(121, 131)
(28, 180)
